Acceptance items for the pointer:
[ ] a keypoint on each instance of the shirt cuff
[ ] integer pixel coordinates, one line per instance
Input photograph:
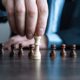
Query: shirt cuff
(54, 39)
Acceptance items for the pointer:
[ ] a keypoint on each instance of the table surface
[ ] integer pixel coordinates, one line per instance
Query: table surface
(44, 69)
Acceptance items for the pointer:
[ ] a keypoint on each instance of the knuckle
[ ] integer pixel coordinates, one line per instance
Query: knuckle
(32, 13)
(12, 40)
(20, 10)
(43, 10)
(10, 12)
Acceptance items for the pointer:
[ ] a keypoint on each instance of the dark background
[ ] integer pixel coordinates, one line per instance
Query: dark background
(70, 22)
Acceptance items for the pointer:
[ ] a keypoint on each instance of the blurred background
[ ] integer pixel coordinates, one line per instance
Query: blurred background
(67, 28)
(5, 31)
(70, 22)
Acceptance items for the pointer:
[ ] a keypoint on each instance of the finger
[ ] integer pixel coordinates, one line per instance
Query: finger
(10, 12)
(31, 17)
(25, 43)
(14, 40)
(20, 16)
(42, 17)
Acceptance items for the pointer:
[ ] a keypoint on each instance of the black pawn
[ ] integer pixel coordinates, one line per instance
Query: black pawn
(20, 50)
(1, 49)
(12, 51)
(31, 53)
(63, 52)
(53, 51)
(73, 51)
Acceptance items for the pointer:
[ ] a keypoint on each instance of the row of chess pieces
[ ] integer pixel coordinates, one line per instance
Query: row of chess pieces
(11, 49)
(63, 52)
(20, 50)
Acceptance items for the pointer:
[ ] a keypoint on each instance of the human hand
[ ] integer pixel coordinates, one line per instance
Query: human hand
(27, 17)
(16, 40)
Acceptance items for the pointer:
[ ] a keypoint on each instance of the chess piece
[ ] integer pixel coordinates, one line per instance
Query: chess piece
(63, 51)
(12, 51)
(31, 53)
(1, 49)
(73, 51)
(37, 54)
(20, 50)
(53, 51)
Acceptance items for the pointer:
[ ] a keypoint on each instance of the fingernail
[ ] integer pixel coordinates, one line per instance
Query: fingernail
(41, 31)
(29, 35)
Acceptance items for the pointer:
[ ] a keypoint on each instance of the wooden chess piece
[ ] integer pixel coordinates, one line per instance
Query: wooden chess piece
(12, 51)
(53, 51)
(63, 51)
(37, 54)
(31, 53)
(73, 51)
(20, 50)
(1, 49)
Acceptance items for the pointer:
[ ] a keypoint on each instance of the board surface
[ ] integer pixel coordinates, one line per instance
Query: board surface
(45, 69)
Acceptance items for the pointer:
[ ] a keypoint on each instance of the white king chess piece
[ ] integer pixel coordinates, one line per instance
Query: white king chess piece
(37, 54)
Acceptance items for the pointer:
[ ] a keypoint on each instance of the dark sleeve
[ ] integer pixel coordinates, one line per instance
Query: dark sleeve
(3, 15)
(1, 6)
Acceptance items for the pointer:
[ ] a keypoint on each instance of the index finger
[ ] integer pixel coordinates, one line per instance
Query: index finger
(42, 17)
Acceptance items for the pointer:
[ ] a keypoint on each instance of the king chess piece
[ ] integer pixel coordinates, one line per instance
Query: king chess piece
(37, 53)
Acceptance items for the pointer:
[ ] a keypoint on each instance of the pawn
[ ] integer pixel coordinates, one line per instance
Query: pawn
(12, 51)
(53, 51)
(73, 51)
(31, 53)
(20, 50)
(63, 51)
(1, 49)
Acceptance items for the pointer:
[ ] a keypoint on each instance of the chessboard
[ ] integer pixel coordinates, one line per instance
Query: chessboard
(54, 64)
